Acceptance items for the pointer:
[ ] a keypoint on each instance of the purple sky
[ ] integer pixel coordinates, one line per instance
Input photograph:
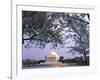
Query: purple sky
(37, 53)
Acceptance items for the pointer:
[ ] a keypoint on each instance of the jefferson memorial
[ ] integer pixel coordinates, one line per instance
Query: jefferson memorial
(52, 57)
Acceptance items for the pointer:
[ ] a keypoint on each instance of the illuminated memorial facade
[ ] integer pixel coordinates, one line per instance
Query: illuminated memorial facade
(52, 57)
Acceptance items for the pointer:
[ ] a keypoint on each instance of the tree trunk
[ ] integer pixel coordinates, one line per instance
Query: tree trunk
(85, 59)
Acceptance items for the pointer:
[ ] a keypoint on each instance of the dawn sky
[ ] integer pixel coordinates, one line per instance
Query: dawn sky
(37, 53)
(40, 54)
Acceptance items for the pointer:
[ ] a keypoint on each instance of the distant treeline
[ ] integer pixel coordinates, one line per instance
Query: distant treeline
(77, 60)
(30, 62)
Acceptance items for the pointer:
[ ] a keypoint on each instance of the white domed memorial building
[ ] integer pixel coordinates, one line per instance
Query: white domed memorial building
(52, 57)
